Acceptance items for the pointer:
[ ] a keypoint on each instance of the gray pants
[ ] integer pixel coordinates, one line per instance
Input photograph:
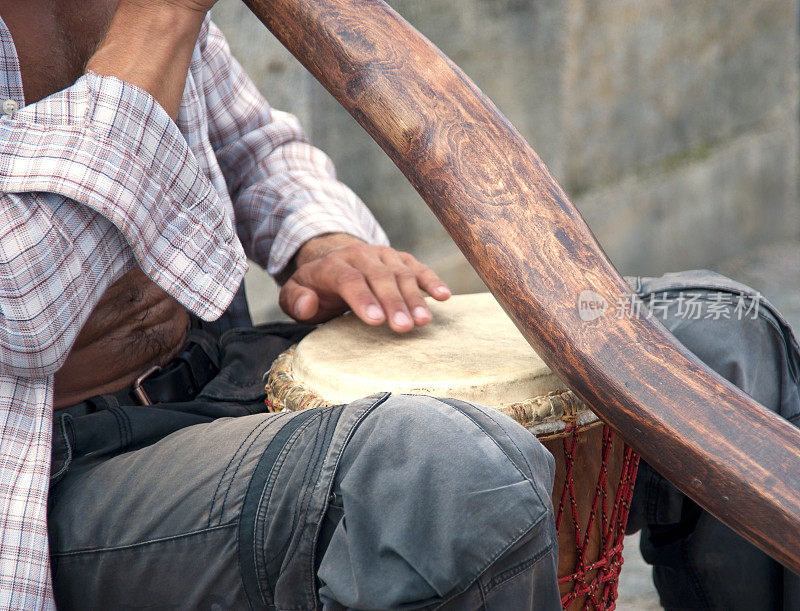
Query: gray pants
(391, 501)
(698, 562)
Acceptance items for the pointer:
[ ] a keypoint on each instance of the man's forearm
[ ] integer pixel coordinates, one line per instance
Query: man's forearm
(149, 44)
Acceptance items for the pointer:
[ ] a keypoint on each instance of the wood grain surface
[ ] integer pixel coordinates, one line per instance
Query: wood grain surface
(517, 227)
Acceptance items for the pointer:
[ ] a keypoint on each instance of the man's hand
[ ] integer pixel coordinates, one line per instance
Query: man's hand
(337, 272)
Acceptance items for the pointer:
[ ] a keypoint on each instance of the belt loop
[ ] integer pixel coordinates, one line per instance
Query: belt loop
(207, 342)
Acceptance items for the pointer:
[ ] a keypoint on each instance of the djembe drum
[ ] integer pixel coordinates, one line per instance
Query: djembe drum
(472, 351)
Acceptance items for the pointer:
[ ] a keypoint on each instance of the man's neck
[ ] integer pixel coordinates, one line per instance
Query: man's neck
(54, 40)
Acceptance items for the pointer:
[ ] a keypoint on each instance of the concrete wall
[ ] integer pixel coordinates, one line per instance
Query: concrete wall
(672, 124)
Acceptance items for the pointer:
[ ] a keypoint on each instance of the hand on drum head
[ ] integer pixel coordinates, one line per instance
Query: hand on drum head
(337, 272)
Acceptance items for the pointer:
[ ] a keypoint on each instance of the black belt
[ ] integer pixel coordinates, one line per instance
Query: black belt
(179, 380)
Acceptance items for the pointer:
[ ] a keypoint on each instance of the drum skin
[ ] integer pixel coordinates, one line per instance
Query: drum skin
(472, 351)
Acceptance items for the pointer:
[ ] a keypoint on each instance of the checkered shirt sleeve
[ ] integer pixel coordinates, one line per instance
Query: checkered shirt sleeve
(284, 190)
(91, 179)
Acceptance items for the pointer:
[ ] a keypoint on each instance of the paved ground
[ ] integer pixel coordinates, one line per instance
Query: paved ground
(636, 591)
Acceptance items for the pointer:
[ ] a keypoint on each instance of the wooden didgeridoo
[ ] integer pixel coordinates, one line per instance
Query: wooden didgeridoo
(515, 225)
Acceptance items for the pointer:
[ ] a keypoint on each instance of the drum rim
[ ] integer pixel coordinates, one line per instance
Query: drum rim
(552, 415)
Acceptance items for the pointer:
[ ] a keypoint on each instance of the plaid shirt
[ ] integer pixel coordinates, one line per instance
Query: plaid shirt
(96, 179)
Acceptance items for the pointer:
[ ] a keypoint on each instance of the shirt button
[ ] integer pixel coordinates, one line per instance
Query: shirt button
(10, 107)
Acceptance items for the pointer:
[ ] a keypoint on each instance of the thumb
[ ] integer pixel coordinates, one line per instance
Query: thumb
(297, 301)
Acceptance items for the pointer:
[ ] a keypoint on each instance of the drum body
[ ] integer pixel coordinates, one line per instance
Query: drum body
(472, 351)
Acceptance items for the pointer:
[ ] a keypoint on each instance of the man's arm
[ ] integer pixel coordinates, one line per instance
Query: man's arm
(149, 44)
(294, 217)
(102, 157)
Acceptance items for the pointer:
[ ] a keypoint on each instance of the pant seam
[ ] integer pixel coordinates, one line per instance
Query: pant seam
(100, 550)
(122, 428)
(292, 550)
(56, 477)
(516, 570)
(517, 538)
(260, 428)
(225, 472)
(379, 400)
(251, 507)
(266, 492)
(500, 424)
(486, 434)
(514, 443)
(270, 482)
(327, 418)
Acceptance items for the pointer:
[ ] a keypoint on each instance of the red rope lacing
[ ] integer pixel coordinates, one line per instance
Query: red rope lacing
(601, 590)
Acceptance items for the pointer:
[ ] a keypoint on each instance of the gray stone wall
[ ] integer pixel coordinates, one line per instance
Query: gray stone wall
(672, 124)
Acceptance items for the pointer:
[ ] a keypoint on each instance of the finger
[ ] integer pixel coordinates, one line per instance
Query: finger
(427, 279)
(382, 281)
(298, 301)
(353, 287)
(409, 287)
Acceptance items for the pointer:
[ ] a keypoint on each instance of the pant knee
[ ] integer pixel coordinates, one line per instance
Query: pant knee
(732, 330)
(432, 494)
(432, 439)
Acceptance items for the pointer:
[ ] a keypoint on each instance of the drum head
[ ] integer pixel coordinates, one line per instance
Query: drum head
(471, 350)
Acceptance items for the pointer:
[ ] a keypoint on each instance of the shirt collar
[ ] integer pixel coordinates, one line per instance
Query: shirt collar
(10, 75)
